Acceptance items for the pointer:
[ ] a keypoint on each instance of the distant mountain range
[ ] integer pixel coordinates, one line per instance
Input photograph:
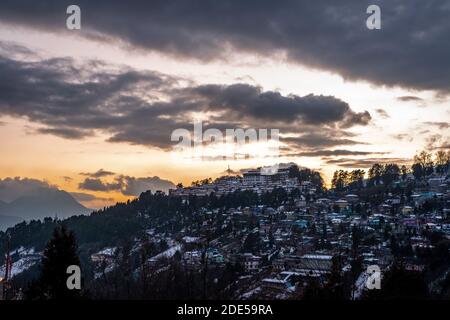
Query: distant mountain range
(38, 204)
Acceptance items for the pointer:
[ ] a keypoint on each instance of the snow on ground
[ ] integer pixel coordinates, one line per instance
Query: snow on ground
(27, 260)
(169, 253)
(23, 264)
(106, 262)
(188, 239)
(249, 294)
(108, 251)
(22, 251)
(360, 285)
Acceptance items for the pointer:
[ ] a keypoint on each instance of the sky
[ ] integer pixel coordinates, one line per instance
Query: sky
(92, 111)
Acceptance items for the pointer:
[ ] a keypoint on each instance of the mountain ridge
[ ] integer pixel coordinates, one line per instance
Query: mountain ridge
(39, 204)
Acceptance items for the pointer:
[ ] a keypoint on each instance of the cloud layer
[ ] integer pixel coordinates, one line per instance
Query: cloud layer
(128, 186)
(14, 188)
(75, 101)
(411, 49)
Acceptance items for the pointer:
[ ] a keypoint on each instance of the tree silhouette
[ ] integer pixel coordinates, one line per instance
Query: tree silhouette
(398, 283)
(60, 253)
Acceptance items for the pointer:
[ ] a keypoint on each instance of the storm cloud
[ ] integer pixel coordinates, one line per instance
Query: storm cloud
(411, 50)
(75, 101)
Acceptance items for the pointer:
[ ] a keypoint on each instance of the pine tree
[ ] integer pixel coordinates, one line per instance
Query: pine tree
(59, 254)
(334, 290)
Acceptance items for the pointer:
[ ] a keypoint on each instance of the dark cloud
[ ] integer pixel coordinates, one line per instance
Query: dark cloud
(127, 185)
(14, 188)
(365, 163)
(411, 49)
(319, 140)
(97, 185)
(76, 101)
(409, 98)
(132, 186)
(66, 133)
(444, 146)
(98, 174)
(67, 179)
(403, 136)
(243, 100)
(16, 51)
(354, 118)
(437, 141)
(86, 197)
(439, 125)
(382, 113)
(338, 152)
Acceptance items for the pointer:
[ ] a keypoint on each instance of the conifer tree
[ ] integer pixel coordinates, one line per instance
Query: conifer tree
(59, 254)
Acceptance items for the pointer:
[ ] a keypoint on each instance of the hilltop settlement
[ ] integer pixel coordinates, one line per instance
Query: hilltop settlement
(255, 235)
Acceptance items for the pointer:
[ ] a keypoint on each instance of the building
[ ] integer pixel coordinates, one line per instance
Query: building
(314, 264)
(252, 263)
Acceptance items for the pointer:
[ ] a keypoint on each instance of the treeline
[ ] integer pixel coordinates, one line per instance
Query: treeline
(424, 165)
(306, 174)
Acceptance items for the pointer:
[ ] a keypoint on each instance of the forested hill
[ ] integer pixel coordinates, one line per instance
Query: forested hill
(126, 221)
(108, 226)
